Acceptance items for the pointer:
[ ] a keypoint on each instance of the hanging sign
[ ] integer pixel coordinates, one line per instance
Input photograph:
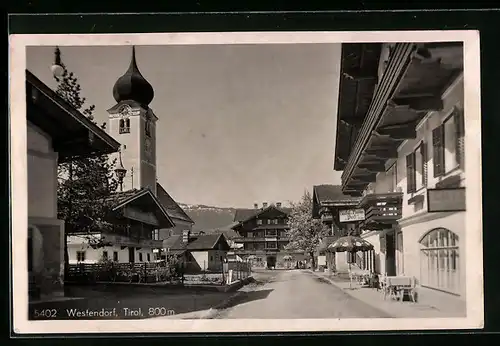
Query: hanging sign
(351, 215)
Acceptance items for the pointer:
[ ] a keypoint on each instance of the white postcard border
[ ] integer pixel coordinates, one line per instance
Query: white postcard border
(18, 152)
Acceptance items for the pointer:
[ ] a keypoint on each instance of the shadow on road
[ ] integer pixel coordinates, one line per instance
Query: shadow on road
(245, 297)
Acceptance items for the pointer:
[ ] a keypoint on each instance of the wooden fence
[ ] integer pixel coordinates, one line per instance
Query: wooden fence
(122, 272)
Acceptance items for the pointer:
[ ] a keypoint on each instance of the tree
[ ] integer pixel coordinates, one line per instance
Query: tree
(85, 185)
(305, 232)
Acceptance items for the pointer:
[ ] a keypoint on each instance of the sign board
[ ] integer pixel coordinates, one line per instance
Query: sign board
(351, 215)
(446, 199)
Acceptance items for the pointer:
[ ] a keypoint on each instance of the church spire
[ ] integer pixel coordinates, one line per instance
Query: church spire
(132, 86)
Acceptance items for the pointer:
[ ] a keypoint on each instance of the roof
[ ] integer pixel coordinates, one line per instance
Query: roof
(242, 215)
(331, 193)
(135, 196)
(73, 134)
(199, 242)
(173, 209)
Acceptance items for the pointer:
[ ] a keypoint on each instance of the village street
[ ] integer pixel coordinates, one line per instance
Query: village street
(296, 294)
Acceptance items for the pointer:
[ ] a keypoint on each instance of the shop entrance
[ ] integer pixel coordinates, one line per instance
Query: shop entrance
(131, 254)
(271, 262)
(390, 254)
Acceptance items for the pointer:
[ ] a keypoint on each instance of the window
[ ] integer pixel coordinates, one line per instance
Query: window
(115, 256)
(80, 256)
(271, 245)
(211, 258)
(439, 260)
(274, 221)
(221, 258)
(271, 233)
(125, 125)
(392, 174)
(147, 127)
(105, 255)
(149, 257)
(416, 169)
(450, 149)
(448, 144)
(155, 234)
(259, 222)
(140, 256)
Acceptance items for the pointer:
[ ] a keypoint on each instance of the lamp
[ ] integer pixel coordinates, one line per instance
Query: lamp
(57, 68)
(120, 171)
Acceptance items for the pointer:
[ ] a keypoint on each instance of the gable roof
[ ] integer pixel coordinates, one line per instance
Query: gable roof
(242, 215)
(200, 242)
(332, 193)
(173, 209)
(122, 198)
(73, 134)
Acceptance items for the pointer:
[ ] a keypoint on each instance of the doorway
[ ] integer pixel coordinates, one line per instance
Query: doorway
(390, 254)
(271, 262)
(131, 254)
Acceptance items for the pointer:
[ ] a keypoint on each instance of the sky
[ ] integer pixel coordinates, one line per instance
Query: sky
(238, 124)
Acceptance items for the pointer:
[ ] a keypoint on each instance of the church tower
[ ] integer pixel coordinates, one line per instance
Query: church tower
(133, 124)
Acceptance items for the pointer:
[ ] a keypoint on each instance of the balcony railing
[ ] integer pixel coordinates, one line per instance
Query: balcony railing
(382, 209)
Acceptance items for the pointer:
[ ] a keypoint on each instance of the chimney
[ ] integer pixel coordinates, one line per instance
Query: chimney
(278, 204)
(264, 205)
(256, 206)
(185, 236)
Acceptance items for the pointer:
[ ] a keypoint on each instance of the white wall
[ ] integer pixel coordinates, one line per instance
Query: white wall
(42, 174)
(94, 255)
(201, 257)
(374, 239)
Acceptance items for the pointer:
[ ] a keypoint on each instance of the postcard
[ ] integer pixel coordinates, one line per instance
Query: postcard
(246, 182)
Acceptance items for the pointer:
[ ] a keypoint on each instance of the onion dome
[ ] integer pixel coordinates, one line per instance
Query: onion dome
(133, 86)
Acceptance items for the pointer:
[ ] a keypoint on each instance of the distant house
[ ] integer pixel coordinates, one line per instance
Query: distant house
(263, 234)
(198, 252)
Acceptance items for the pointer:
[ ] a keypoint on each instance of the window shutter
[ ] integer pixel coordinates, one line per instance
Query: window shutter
(460, 135)
(438, 150)
(410, 173)
(423, 153)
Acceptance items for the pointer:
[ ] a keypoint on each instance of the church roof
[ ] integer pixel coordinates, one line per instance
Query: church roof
(173, 209)
(133, 86)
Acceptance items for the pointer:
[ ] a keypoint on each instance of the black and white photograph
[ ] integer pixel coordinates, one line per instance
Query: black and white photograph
(246, 182)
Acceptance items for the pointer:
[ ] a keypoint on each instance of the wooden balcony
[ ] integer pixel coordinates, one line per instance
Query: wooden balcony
(131, 241)
(381, 210)
(412, 85)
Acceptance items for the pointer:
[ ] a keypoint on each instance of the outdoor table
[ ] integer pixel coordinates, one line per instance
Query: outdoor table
(399, 285)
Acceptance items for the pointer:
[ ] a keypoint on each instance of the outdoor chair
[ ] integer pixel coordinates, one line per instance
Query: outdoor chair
(399, 286)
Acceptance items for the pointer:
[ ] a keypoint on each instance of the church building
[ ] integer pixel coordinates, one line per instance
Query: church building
(143, 210)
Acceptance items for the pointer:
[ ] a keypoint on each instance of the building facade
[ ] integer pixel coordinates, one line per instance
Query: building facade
(144, 213)
(263, 235)
(328, 202)
(56, 133)
(406, 159)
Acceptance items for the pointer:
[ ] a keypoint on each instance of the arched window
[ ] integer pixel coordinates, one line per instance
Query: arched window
(125, 125)
(439, 260)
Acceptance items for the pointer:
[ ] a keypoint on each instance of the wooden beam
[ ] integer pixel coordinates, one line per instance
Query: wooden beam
(369, 178)
(400, 133)
(373, 167)
(388, 152)
(420, 103)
